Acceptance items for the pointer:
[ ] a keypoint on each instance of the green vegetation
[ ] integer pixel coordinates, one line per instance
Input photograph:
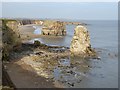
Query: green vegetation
(10, 39)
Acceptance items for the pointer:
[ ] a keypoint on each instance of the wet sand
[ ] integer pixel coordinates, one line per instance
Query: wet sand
(27, 33)
(23, 76)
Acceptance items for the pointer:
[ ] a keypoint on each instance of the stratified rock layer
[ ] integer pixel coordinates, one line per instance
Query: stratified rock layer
(80, 44)
(53, 28)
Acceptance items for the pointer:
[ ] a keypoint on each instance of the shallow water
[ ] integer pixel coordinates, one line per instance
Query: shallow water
(89, 73)
(37, 30)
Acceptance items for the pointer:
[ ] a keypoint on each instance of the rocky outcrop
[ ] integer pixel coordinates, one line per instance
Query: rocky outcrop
(39, 22)
(80, 44)
(10, 37)
(25, 22)
(53, 28)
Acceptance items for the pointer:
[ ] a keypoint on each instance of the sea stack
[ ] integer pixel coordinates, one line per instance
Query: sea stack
(80, 44)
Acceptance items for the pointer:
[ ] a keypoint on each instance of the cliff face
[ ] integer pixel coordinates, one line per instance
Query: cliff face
(53, 28)
(39, 22)
(80, 43)
(10, 37)
(25, 22)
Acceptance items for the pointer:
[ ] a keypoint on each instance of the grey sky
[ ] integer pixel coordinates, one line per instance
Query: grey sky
(59, 0)
(79, 10)
(0, 9)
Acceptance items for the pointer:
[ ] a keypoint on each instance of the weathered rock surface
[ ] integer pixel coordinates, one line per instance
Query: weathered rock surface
(27, 21)
(80, 43)
(53, 28)
(10, 37)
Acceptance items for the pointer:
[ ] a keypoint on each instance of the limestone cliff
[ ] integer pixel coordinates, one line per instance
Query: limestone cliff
(27, 21)
(80, 44)
(39, 22)
(10, 37)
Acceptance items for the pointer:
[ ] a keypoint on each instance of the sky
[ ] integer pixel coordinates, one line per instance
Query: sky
(65, 10)
(59, 0)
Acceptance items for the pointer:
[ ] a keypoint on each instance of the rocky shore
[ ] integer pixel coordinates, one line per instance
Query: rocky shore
(45, 59)
(39, 65)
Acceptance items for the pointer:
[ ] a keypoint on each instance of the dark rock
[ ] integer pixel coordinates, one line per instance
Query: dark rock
(37, 43)
(71, 84)
(39, 53)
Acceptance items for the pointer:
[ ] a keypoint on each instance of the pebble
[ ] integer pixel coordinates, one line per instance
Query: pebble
(39, 53)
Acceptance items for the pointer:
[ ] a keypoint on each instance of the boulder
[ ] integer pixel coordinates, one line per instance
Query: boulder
(80, 43)
(37, 43)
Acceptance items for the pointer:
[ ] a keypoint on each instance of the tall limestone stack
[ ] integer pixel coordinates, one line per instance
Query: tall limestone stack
(80, 44)
(10, 37)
